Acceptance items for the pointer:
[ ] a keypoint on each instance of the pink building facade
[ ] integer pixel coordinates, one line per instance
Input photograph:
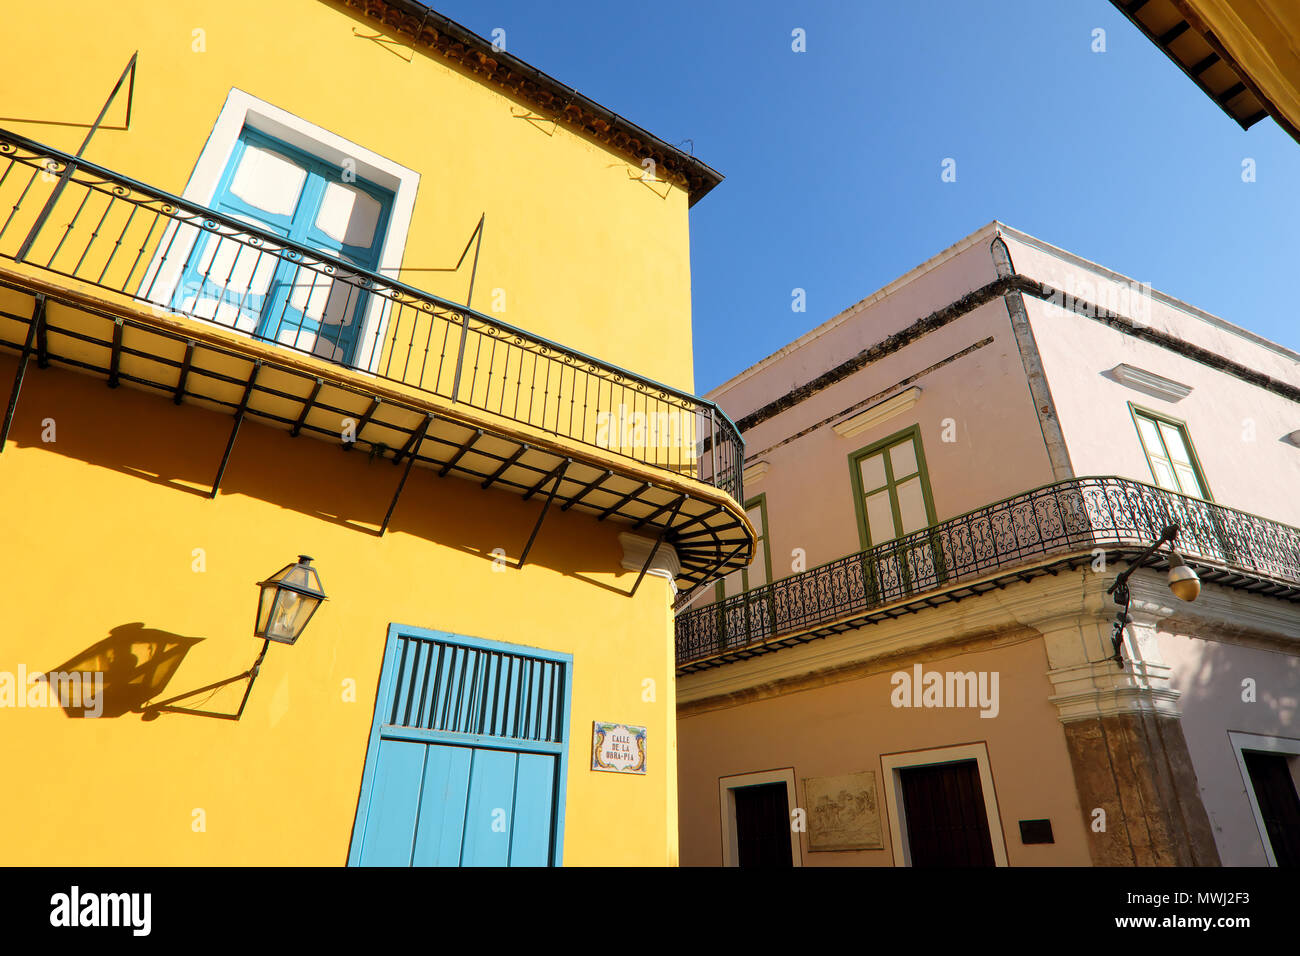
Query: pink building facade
(919, 666)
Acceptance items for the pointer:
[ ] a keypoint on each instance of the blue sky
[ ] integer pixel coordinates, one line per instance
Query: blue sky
(833, 156)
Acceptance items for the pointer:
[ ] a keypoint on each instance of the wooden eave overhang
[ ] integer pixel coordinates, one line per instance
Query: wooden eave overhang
(1185, 33)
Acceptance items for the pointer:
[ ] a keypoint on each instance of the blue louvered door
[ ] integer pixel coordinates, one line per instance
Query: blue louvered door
(467, 755)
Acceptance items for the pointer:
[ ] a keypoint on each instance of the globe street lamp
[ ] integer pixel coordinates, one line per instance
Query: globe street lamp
(1182, 581)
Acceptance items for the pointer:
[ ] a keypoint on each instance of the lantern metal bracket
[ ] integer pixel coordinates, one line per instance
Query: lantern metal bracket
(1120, 593)
(151, 711)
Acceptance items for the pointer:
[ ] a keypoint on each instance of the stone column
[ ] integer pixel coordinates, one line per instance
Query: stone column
(1123, 728)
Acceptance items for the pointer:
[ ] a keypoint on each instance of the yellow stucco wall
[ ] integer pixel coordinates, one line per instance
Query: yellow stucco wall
(586, 255)
(101, 530)
(104, 521)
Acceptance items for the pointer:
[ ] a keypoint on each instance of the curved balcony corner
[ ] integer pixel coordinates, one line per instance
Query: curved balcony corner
(1064, 519)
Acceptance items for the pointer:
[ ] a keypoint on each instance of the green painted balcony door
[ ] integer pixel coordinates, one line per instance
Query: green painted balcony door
(893, 502)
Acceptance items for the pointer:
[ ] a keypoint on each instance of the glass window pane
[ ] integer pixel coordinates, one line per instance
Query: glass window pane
(1187, 481)
(1174, 444)
(873, 472)
(1164, 474)
(268, 181)
(902, 458)
(911, 506)
(348, 215)
(1150, 437)
(880, 518)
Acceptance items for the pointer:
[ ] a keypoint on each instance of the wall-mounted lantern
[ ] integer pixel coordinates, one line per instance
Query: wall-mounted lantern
(1182, 581)
(287, 601)
(285, 604)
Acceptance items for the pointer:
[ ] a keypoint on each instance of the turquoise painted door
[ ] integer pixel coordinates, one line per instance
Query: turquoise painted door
(467, 755)
(281, 297)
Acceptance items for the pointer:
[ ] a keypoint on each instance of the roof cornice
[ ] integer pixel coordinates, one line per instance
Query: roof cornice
(471, 52)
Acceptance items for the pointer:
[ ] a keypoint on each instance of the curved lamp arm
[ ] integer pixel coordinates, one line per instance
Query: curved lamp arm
(1121, 594)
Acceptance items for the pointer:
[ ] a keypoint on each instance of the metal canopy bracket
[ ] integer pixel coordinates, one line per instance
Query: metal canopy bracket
(71, 167)
(460, 453)
(34, 329)
(412, 452)
(417, 436)
(549, 475)
(186, 363)
(622, 501)
(505, 465)
(361, 424)
(587, 489)
(677, 506)
(306, 409)
(234, 431)
(115, 363)
(559, 477)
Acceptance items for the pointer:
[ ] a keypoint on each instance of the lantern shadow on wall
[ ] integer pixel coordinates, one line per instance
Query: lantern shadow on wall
(133, 664)
(286, 601)
(125, 672)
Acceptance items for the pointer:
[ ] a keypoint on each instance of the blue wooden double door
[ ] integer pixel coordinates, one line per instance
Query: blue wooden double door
(467, 756)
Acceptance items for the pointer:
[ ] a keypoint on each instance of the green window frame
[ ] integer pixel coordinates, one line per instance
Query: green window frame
(1170, 454)
(763, 541)
(895, 471)
(892, 481)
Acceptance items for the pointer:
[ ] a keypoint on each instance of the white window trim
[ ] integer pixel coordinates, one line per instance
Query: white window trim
(243, 109)
(891, 764)
(727, 801)
(1279, 745)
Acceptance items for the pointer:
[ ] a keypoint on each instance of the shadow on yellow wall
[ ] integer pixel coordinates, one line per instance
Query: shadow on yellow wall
(136, 662)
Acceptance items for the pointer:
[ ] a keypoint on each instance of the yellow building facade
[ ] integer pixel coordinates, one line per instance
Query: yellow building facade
(265, 253)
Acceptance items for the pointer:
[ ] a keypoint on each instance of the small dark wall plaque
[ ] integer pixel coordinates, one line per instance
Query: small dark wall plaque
(1036, 831)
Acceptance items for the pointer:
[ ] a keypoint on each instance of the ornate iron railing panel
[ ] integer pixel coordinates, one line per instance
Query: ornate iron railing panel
(72, 218)
(1069, 516)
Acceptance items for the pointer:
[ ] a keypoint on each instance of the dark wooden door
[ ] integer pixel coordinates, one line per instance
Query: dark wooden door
(943, 805)
(1275, 793)
(763, 825)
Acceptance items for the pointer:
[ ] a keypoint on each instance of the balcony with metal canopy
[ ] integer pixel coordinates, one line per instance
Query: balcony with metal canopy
(111, 277)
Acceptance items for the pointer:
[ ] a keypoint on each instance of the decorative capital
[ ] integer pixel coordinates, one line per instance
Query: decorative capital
(636, 551)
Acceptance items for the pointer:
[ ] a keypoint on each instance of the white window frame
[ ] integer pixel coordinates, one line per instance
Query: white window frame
(1286, 746)
(891, 764)
(243, 109)
(727, 787)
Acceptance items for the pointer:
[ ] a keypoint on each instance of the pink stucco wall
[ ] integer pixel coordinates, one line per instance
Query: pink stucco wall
(1210, 675)
(1236, 429)
(845, 728)
(998, 448)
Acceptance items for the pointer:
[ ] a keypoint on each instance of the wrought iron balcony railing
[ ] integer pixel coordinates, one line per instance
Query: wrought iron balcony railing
(1074, 516)
(72, 218)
